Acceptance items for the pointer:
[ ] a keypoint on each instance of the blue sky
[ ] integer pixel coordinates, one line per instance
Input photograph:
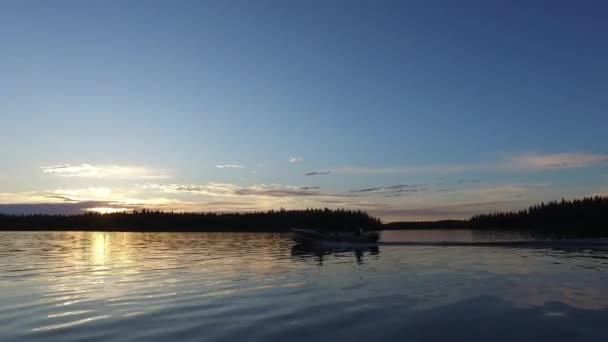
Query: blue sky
(437, 108)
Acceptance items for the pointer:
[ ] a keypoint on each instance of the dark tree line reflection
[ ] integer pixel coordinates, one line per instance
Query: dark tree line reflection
(321, 252)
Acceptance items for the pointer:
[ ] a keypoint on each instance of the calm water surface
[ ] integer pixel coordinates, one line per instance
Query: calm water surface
(74, 286)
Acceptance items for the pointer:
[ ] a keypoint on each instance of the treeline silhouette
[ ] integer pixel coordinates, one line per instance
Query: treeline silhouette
(588, 216)
(147, 220)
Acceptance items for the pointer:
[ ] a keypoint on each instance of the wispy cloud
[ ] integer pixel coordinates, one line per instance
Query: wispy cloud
(67, 208)
(364, 170)
(24, 197)
(118, 197)
(392, 190)
(83, 194)
(70, 207)
(557, 161)
(468, 181)
(296, 159)
(228, 190)
(424, 202)
(104, 171)
(522, 162)
(506, 191)
(230, 166)
(316, 173)
(448, 211)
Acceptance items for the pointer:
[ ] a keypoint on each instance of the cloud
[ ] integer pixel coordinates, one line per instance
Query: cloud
(103, 171)
(468, 181)
(521, 162)
(556, 161)
(458, 202)
(296, 159)
(121, 197)
(54, 208)
(230, 166)
(82, 194)
(229, 190)
(471, 208)
(62, 198)
(364, 170)
(449, 211)
(497, 192)
(316, 173)
(392, 190)
(74, 201)
(22, 197)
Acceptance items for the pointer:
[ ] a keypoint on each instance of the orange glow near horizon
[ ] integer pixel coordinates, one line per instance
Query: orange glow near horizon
(106, 210)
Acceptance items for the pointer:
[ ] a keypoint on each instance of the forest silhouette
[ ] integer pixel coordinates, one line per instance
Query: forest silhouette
(148, 220)
(587, 216)
(580, 216)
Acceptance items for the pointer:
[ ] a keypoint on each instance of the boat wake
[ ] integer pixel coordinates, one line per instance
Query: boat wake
(579, 243)
(560, 244)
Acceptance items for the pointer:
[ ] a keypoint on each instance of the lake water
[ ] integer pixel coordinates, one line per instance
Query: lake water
(74, 286)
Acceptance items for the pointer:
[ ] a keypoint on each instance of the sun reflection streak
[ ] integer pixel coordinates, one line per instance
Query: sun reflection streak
(99, 248)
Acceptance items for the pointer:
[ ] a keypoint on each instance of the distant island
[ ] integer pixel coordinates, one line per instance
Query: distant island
(580, 216)
(587, 216)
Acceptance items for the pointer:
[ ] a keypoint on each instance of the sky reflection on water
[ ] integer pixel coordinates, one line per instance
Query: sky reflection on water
(65, 286)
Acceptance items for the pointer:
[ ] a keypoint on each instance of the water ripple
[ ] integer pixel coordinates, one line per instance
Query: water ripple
(71, 324)
(72, 286)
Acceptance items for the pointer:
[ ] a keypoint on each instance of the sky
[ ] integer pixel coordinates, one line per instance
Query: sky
(410, 110)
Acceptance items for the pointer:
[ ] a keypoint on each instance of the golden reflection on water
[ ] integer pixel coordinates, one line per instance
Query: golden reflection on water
(100, 248)
(118, 258)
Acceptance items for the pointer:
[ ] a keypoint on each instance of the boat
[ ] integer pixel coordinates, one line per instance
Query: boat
(301, 235)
